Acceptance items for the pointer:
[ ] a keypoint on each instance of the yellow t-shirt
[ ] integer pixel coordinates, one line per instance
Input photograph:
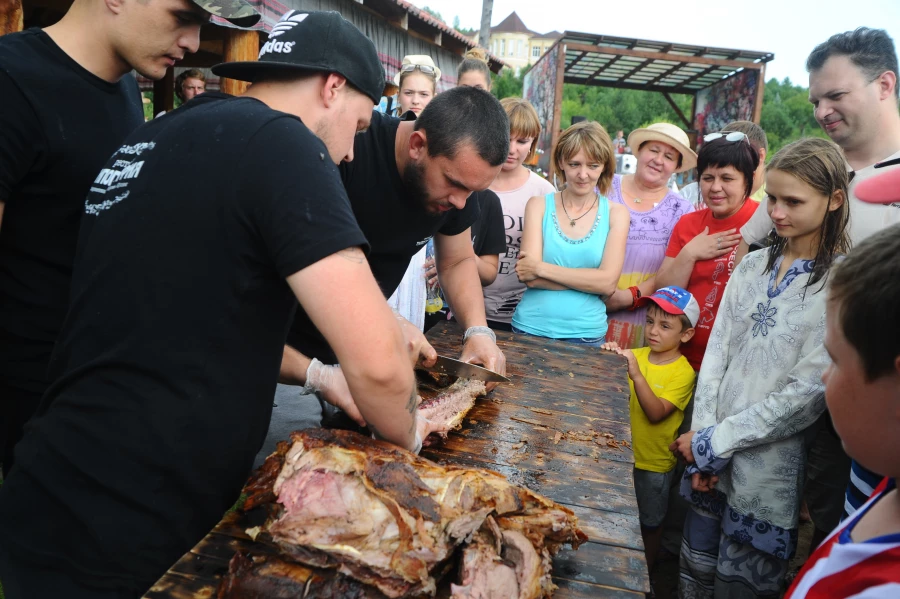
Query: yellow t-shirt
(673, 382)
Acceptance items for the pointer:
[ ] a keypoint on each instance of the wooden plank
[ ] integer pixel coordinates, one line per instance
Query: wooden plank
(603, 565)
(513, 433)
(240, 46)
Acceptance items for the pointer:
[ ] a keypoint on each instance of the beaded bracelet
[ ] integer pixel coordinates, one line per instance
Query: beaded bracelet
(635, 296)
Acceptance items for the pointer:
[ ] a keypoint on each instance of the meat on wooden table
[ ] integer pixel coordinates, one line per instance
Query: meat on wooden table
(393, 521)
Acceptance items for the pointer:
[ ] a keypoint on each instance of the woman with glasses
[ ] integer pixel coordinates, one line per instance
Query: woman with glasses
(700, 255)
(661, 149)
(417, 80)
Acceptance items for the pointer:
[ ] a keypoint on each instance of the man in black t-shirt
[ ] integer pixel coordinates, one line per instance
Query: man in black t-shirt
(52, 145)
(410, 181)
(198, 238)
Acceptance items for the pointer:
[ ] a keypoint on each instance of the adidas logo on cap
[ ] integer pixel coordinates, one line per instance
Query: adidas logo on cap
(288, 21)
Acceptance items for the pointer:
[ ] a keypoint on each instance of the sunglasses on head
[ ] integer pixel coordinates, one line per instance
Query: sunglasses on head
(409, 68)
(731, 136)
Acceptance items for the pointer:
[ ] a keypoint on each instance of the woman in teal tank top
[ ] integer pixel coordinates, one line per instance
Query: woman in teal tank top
(573, 243)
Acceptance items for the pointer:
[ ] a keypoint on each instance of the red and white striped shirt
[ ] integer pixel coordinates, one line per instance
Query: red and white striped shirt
(840, 568)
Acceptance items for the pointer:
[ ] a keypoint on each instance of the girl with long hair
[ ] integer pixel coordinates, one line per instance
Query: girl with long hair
(760, 385)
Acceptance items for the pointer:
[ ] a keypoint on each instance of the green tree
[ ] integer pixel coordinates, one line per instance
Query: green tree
(507, 84)
(456, 22)
(433, 13)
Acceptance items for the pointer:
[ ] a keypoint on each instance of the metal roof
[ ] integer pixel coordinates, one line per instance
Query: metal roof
(649, 65)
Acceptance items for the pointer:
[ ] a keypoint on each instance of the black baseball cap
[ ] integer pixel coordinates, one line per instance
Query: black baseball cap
(315, 41)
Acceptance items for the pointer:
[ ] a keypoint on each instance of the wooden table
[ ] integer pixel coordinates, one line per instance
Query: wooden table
(555, 388)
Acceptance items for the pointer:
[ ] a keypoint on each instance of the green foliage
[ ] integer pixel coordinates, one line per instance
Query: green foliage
(623, 109)
(787, 114)
(507, 84)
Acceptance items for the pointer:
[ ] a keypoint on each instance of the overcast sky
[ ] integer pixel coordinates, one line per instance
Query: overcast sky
(788, 28)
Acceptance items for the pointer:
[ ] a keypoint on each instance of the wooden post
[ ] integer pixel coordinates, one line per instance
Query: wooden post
(11, 16)
(240, 45)
(760, 92)
(164, 92)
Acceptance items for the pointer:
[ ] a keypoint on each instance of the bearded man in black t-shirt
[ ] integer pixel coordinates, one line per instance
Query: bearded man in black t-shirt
(410, 180)
(198, 238)
(67, 104)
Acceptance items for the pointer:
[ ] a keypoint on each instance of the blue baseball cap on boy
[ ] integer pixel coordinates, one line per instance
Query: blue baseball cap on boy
(674, 300)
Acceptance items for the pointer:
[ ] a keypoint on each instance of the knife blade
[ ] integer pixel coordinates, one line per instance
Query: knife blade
(445, 365)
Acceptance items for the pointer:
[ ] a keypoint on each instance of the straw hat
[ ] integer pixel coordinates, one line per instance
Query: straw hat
(668, 134)
(418, 59)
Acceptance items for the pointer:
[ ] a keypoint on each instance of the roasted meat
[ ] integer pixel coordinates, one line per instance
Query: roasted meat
(448, 408)
(267, 577)
(388, 518)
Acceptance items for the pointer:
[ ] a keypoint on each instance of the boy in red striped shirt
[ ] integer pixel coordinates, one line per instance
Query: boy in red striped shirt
(861, 558)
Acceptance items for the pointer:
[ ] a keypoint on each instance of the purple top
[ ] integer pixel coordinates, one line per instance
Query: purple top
(648, 237)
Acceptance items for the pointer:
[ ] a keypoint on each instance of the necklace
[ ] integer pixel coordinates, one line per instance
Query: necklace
(562, 200)
(664, 361)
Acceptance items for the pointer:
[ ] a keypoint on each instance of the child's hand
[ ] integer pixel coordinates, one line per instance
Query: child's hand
(633, 368)
(703, 482)
(610, 346)
(681, 447)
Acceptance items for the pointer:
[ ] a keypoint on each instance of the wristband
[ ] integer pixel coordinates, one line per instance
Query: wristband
(635, 296)
(479, 331)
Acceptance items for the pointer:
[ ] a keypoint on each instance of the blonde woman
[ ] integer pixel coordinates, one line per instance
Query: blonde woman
(417, 80)
(573, 246)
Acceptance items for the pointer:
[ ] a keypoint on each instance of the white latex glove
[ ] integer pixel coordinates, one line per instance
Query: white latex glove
(330, 384)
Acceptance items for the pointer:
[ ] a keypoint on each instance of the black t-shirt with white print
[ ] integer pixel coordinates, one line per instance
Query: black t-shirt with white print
(59, 124)
(488, 232)
(167, 362)
(395, 224)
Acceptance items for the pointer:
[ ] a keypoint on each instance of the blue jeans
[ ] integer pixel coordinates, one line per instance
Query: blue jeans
(589, 341)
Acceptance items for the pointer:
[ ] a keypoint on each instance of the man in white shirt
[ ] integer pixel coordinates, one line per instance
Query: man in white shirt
(853, 89)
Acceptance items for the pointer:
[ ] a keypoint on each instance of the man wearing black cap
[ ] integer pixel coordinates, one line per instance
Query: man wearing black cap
(53, 144)
(199, 236)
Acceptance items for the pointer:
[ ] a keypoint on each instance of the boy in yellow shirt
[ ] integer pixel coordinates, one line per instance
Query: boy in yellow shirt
(661, 382)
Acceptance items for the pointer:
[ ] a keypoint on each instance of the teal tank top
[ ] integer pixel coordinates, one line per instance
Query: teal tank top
(567, 313)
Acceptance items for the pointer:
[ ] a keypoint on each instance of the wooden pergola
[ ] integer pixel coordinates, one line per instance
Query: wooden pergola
(645, 65)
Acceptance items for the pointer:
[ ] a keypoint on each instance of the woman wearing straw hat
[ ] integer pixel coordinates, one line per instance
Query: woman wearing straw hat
(661, 149)
(417, 80)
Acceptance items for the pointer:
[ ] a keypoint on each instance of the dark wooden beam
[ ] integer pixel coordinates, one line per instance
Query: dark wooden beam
(600, 70)
(760, 92)
(164, 92)
(640, 66)
(699, 75)
(719, 62)
(665, 73)
(687, 123)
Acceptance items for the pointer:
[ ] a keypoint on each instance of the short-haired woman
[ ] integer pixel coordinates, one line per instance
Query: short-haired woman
(700, 256)
(514, 185)
(573, 245)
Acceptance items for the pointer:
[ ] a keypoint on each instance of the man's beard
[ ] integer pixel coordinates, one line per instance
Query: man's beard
(414, 182)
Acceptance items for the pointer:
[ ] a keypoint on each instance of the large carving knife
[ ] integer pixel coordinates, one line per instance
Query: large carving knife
(445, 365)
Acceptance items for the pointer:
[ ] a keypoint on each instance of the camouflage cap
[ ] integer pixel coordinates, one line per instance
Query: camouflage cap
(237, 12)
(315, 41)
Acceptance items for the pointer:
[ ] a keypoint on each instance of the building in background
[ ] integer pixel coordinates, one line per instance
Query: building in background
(517, 45)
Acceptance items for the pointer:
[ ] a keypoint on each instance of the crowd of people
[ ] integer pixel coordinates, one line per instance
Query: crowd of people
(162, 282)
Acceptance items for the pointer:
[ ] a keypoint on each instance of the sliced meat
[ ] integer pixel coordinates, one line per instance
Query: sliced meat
(388, 518)
(448, 408)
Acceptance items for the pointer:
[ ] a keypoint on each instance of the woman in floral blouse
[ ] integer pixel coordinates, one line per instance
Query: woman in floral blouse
(760, 386)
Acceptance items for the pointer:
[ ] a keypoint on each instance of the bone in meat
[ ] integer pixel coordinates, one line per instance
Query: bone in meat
(448, 408)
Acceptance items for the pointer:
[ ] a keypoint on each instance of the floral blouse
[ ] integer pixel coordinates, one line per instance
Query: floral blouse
(759, 387)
